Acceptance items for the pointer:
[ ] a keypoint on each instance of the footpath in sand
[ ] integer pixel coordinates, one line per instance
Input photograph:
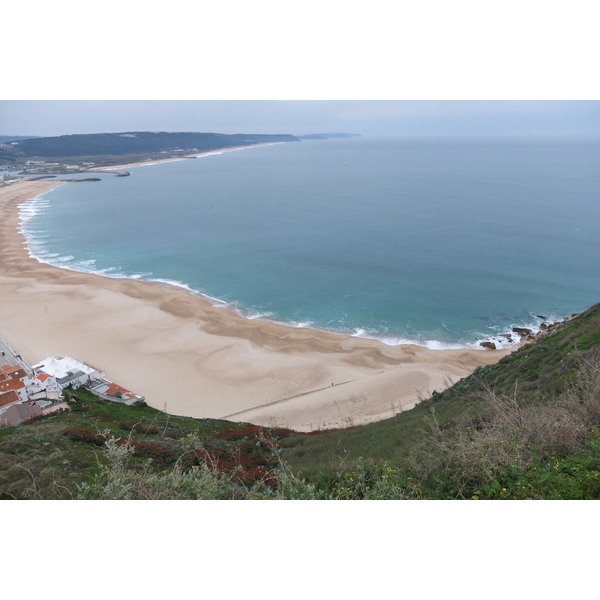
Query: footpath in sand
(190, 358)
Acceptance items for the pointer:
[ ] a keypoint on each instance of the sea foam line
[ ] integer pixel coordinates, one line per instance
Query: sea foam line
(34, 242)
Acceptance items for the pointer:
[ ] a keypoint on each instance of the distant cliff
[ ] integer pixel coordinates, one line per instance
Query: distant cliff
(131, 143)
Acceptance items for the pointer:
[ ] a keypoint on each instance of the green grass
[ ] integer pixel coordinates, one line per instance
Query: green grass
(48, 456)
(526, 427)
(541, 370)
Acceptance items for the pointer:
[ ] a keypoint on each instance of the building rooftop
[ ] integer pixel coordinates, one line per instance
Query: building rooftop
(60, 366)
(70, 376)
(19, 412)
(13, 372)
(11, 384)
(9, 398)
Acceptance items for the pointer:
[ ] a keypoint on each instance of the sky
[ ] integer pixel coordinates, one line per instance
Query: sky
(365, 117)
(520, 67)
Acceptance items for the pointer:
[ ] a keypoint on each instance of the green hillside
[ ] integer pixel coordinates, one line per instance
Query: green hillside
(526, 427)
(128, 145)
(543, 397)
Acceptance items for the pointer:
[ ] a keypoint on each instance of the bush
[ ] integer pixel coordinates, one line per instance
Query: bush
(84, 435)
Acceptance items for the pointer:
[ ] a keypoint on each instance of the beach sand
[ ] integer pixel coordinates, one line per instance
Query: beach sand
(188, 357)
(199, 154)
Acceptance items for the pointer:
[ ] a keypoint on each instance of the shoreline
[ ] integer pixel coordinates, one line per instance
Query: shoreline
(433, 344)
(157, 161)
(191, 358)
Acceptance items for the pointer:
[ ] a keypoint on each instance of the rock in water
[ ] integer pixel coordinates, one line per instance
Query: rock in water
(522, 331)
(488, 345)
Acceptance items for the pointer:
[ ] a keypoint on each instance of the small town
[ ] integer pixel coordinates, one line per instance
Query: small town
(28, 391)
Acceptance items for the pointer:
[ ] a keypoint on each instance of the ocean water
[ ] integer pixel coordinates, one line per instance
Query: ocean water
(440, 242)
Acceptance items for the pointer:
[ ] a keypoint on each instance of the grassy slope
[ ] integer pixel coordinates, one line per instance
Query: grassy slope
(540, 369)
(48, 457)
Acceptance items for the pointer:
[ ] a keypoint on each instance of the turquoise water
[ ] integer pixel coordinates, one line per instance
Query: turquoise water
(439, 242)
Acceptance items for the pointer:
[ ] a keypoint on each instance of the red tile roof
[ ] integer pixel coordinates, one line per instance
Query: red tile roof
(13, 371)
(115, 390)
(9, 398)
(11, 384)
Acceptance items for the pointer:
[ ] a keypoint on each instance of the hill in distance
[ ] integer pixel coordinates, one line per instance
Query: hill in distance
(5, 139)
(132, 143)
(103, 149)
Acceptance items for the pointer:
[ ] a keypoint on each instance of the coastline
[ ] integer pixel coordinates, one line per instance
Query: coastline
(200, 154)
(189, 357)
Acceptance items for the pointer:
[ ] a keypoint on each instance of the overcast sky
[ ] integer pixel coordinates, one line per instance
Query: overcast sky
(520, 67)
(368, 118)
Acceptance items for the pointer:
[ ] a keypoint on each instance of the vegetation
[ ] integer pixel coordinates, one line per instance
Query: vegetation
(128, 146)
(525, 428)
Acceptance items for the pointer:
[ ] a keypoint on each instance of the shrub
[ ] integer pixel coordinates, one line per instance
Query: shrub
(84, 435)
(139, 427)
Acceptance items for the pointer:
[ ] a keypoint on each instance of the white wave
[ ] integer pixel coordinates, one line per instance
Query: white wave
(209, 154)
(85, 265)
(151, 164)
(224, 150)
(390, 340)
(253, 315)
(34, 238)
(113, 272)
(261, 315)
(173, 282)
(506, 338)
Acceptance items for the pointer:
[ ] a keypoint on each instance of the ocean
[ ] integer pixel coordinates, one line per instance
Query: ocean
(439, 242)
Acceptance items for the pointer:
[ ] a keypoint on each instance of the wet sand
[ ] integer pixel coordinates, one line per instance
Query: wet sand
(188, 357)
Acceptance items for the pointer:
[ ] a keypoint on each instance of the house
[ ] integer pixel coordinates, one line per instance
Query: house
(9, 371)
(68, 371)
(17, 413)
(112, 391)
(11, 380)
(42, 385)
(14, 385)
(9, 398)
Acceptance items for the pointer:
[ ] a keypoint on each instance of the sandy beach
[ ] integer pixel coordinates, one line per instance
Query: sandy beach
(190, 358)
(199, 154)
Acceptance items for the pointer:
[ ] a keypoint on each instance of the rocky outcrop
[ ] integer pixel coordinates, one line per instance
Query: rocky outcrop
(522, 331)
(488, 345)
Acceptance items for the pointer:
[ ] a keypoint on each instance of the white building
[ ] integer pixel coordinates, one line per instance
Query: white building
(68, 371)
(41, 386)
